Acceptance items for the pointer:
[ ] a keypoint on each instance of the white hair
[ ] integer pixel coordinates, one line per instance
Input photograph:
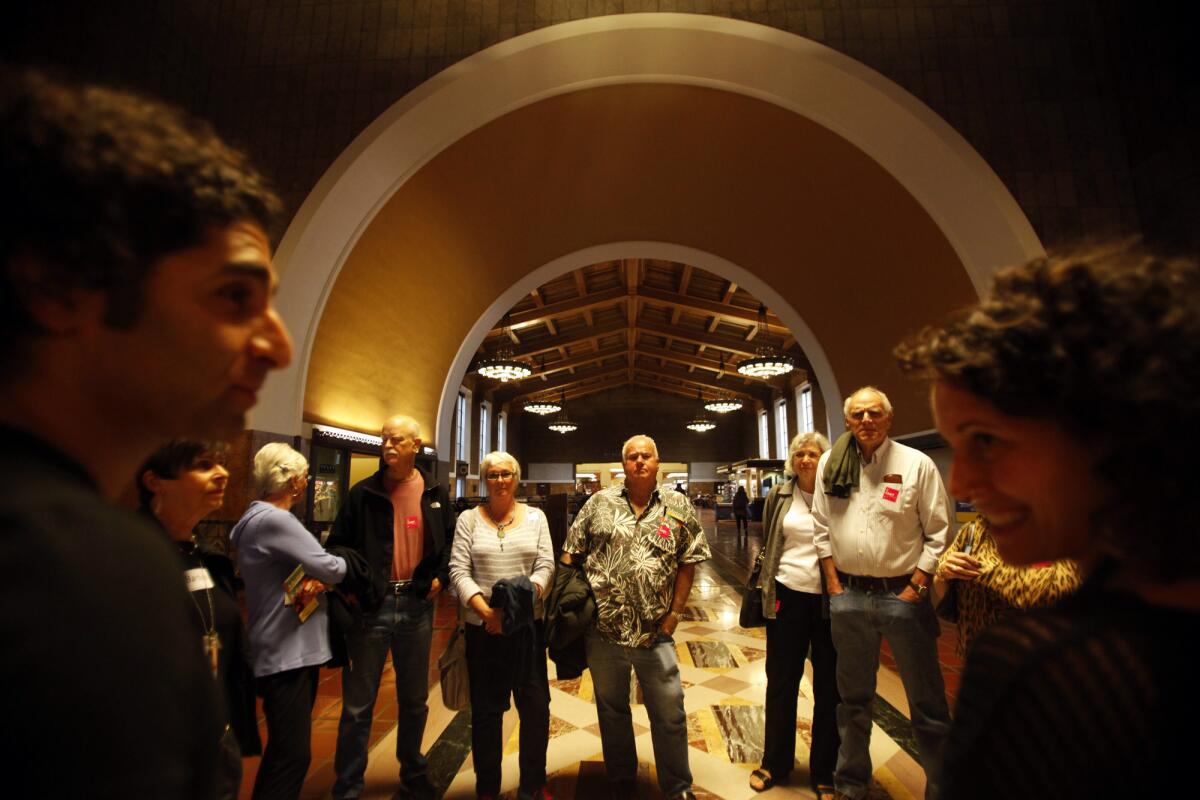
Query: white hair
(800, 441)
(625, 446)
(405, 423)
(274, 465)
(883, 400)
(497, 457)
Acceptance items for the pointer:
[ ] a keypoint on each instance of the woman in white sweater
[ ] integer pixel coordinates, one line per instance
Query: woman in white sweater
(503, 540)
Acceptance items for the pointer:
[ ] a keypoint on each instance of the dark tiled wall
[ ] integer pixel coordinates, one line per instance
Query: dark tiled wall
(1086, 109)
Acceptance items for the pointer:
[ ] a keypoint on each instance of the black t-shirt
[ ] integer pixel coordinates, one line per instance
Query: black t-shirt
(1076, 701)
(109, 695)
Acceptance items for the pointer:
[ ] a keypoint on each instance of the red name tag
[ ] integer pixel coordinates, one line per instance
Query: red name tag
(890, 494)
(664, 530)
(411, 523)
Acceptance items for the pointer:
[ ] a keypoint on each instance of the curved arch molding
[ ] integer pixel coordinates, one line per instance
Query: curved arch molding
(845, 203)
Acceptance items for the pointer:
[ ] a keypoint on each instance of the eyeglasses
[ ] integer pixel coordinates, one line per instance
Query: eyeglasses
(872, 413)
(499, 476)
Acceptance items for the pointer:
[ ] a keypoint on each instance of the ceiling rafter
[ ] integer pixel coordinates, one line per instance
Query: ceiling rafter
(708, 307)
(726, 343)
(543, 371)
(695, 382)
(568, 339)
(633, 276)
(554, 384)
(584, 388)
(685, 278)
(537, 316)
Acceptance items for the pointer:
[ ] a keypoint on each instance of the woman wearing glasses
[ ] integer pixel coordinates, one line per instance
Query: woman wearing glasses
(502, 549)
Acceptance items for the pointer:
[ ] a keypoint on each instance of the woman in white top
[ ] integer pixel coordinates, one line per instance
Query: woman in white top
(505, 540)
(795, 606)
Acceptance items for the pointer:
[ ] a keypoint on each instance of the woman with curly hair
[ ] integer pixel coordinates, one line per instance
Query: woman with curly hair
(1069, 397)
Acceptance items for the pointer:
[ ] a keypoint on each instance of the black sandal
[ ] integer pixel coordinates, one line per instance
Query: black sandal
(764, 778)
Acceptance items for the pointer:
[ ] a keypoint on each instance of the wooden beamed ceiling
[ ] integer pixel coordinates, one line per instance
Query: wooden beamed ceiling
(673, 328)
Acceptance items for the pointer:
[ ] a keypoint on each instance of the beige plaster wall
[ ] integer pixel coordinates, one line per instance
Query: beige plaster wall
(777, 194)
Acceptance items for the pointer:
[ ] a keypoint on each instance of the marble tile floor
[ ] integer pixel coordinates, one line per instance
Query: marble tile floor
(722, 667)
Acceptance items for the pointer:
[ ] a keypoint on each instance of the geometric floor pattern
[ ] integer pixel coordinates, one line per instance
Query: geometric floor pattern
(722, 667)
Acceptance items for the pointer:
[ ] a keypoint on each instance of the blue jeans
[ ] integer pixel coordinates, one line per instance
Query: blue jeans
(403, 625)
(657, 669)
(860, 619)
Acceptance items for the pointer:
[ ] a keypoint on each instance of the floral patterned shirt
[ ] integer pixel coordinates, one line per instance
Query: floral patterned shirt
(632, 561)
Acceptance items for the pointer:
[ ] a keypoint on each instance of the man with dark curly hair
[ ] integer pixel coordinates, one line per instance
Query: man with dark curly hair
(1069, 397)
(135, 306)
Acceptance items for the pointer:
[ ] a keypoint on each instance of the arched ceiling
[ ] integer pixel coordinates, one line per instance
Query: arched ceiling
(666, 326)
(782, 197)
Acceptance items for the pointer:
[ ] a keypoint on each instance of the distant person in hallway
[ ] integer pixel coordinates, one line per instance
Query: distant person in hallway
(639, 544)
(975, 588)
(503, 540)
(741, 514)
(402, 523)
(135, 307)
(1069, 397)
(881, 519)
(289, 649)
(797, 611)
(181, 483)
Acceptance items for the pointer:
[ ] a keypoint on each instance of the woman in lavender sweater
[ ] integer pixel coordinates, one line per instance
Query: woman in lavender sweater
(287, 652)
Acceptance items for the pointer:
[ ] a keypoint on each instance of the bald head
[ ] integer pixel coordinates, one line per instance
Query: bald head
(869, 417)
(404, 423)
(401, 442)
(639, 457)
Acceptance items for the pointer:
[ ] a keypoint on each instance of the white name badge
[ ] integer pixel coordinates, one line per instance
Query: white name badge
(198, 579)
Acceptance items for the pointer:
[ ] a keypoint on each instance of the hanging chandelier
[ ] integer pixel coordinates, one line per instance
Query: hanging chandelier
(504, 367)
(701, 424)
(723, 405)
(767, 361)
(561, 423)
(542, 407)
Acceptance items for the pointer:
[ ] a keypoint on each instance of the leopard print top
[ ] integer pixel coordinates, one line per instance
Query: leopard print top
(1002, 589)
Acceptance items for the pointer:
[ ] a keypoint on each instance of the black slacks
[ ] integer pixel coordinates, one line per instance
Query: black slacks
(500, 666)
(288, 699)
(797, 626)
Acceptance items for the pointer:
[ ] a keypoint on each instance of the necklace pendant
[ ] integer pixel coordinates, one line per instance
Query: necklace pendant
(212, 649)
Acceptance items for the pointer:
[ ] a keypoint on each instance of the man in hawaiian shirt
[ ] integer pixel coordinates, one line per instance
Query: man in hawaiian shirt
(639, 545)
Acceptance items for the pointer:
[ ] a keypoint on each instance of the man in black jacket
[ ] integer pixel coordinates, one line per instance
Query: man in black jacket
(135, 306)
(401, 521)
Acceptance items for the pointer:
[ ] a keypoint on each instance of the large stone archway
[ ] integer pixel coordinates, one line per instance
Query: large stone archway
(755, 147)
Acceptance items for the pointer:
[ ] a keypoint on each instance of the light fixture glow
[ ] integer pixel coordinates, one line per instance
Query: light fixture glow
(504, 367)
(561, 423)
(542, 407)
(348, 435)
(701, 424)
(723, 405)
(767, 362)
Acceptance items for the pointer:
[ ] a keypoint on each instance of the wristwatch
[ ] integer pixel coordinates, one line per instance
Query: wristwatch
(919, 588)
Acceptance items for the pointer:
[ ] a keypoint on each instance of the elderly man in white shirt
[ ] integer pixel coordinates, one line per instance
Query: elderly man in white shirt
(882, 518)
